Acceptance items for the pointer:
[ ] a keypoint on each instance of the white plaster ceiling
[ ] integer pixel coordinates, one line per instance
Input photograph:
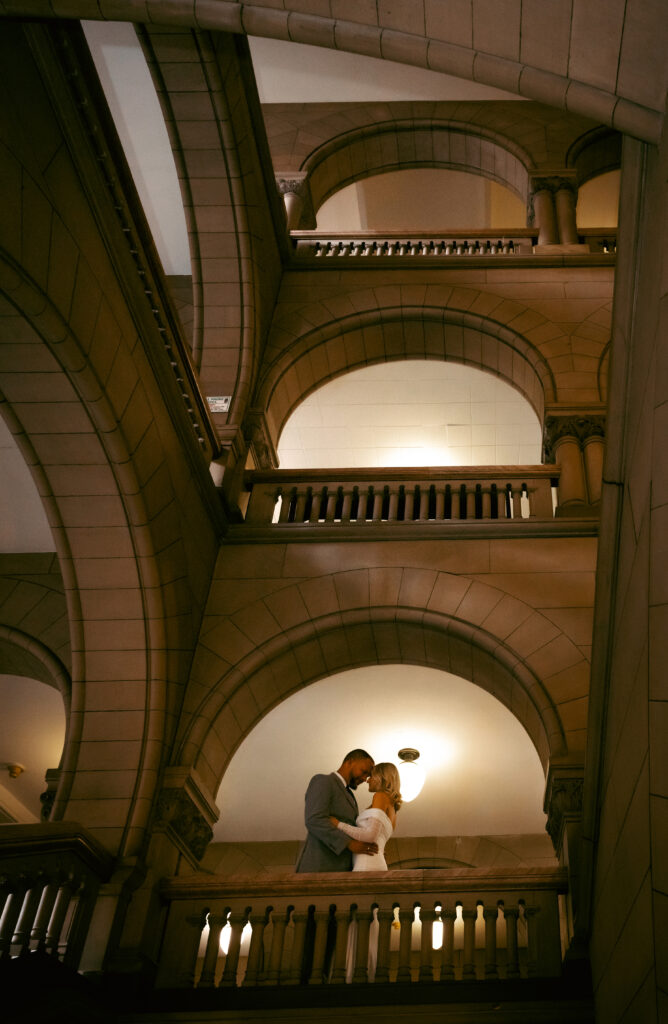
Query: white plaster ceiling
(484, 776)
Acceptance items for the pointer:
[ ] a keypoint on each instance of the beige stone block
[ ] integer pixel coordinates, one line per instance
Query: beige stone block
(352, 588)
(576, 623)
(251, 562)
(320, 597)
(115, 635)
(109, 755)
(103, 785)
(478, 601)
(256, 622)
(547, 555)
(496, 27)
(532, 634)
(94, 573)
(553, 657)
(416, 587)
(310, 660)
(96, 813)
(450, 22)
(570, 684)
(107, 665)
(287, 606)
(384, 584)
(115, 695)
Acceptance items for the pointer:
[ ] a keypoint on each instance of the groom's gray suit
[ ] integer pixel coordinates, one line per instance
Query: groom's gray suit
(326, 848)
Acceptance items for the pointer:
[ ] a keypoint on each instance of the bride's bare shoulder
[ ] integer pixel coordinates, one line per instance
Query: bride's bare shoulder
(382, 801)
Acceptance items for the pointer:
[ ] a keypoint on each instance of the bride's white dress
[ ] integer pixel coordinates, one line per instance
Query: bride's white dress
(373, 826)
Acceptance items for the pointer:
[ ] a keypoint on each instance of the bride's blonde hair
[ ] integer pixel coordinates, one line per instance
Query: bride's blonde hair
(388, 781)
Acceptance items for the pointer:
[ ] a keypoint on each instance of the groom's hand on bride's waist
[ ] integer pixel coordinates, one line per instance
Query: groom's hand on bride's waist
(357, 846)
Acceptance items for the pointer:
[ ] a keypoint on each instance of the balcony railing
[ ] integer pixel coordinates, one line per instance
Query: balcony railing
(376, 246)
(484, 493)
(49, 879)
(443, 926)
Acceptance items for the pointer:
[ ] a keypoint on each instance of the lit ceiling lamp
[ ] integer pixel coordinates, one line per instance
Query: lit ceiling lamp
(411, 774)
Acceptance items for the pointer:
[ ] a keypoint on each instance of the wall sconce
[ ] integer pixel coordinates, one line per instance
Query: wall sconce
(411, 774)
(14, 769)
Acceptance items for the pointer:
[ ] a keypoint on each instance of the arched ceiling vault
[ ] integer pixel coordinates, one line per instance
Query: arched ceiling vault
(620, 81)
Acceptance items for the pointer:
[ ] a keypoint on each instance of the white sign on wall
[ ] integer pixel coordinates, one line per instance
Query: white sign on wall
(219, 403)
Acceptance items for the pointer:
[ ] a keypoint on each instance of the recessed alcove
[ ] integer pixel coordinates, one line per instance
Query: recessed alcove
(412, 413)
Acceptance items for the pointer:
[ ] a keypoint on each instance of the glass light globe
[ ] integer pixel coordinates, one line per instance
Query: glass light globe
(412, 779)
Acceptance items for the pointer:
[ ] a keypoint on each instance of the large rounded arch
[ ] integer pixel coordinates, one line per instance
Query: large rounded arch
(409, 615)
(424, 332)
(401, 144)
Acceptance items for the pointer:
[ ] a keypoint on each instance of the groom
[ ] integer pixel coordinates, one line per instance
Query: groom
(326, 847)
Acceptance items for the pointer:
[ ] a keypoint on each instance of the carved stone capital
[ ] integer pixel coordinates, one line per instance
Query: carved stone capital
(553, 183)
(298, 185)
(582, 428)
(563, 802)
(259, 441)
(177, 813)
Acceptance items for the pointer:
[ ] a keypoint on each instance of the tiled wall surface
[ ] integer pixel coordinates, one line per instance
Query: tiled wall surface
(412, 413)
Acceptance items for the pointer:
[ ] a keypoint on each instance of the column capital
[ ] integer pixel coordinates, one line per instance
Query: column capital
(563, 800)
(177, 814)
(553, 183)
(582, 427)
(296, 183)
(258, 438)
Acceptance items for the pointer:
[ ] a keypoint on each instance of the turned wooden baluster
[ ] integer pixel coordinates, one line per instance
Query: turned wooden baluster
(21, 937)
(43, 916)
(237, 924)
(58, 916)
(490, 915)
(469, 915)
(406, 918)
(207, 978)
(448, 918)
(427, 917)
(10, 916)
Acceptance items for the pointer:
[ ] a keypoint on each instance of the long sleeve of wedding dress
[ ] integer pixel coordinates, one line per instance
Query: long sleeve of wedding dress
(369, 833)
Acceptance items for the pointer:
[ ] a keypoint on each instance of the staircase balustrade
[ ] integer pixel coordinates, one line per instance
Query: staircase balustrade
(427, 927)
(486, 493)
(50, 876)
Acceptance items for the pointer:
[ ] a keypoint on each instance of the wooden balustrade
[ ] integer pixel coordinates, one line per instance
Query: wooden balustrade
(486, 493)
(49, 879)
(395, 927)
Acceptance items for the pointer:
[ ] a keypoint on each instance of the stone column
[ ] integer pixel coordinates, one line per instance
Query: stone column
(296, 193)
(545, 215)
(567, 440)
(565, 199)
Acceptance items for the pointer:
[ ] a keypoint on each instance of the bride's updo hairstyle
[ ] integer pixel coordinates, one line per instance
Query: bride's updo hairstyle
(388, 781)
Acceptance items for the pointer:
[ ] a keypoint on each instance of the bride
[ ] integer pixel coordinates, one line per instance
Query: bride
(374, 825)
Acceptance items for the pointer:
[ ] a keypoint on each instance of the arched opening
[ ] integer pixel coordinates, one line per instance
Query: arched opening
(32, 735)
(422, 199)
(598, 201)
(484, 778)
(412, 413)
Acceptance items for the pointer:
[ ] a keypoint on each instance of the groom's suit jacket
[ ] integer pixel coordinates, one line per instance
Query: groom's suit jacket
(326, 847)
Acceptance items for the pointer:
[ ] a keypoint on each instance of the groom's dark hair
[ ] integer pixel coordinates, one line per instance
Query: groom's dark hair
(357, 755)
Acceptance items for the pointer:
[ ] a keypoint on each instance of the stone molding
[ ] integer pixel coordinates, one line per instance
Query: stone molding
(582, 428)
(258, 438)
(563, 801)
(176, 812)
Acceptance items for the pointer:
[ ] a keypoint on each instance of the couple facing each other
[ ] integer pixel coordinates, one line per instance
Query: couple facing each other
(339, 838)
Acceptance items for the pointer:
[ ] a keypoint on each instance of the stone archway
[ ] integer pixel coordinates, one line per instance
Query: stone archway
(420, 332)
(401, 144)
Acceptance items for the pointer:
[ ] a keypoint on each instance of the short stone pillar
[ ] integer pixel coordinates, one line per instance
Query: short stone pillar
(296, 193)
(545, 216)
(565, 201)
